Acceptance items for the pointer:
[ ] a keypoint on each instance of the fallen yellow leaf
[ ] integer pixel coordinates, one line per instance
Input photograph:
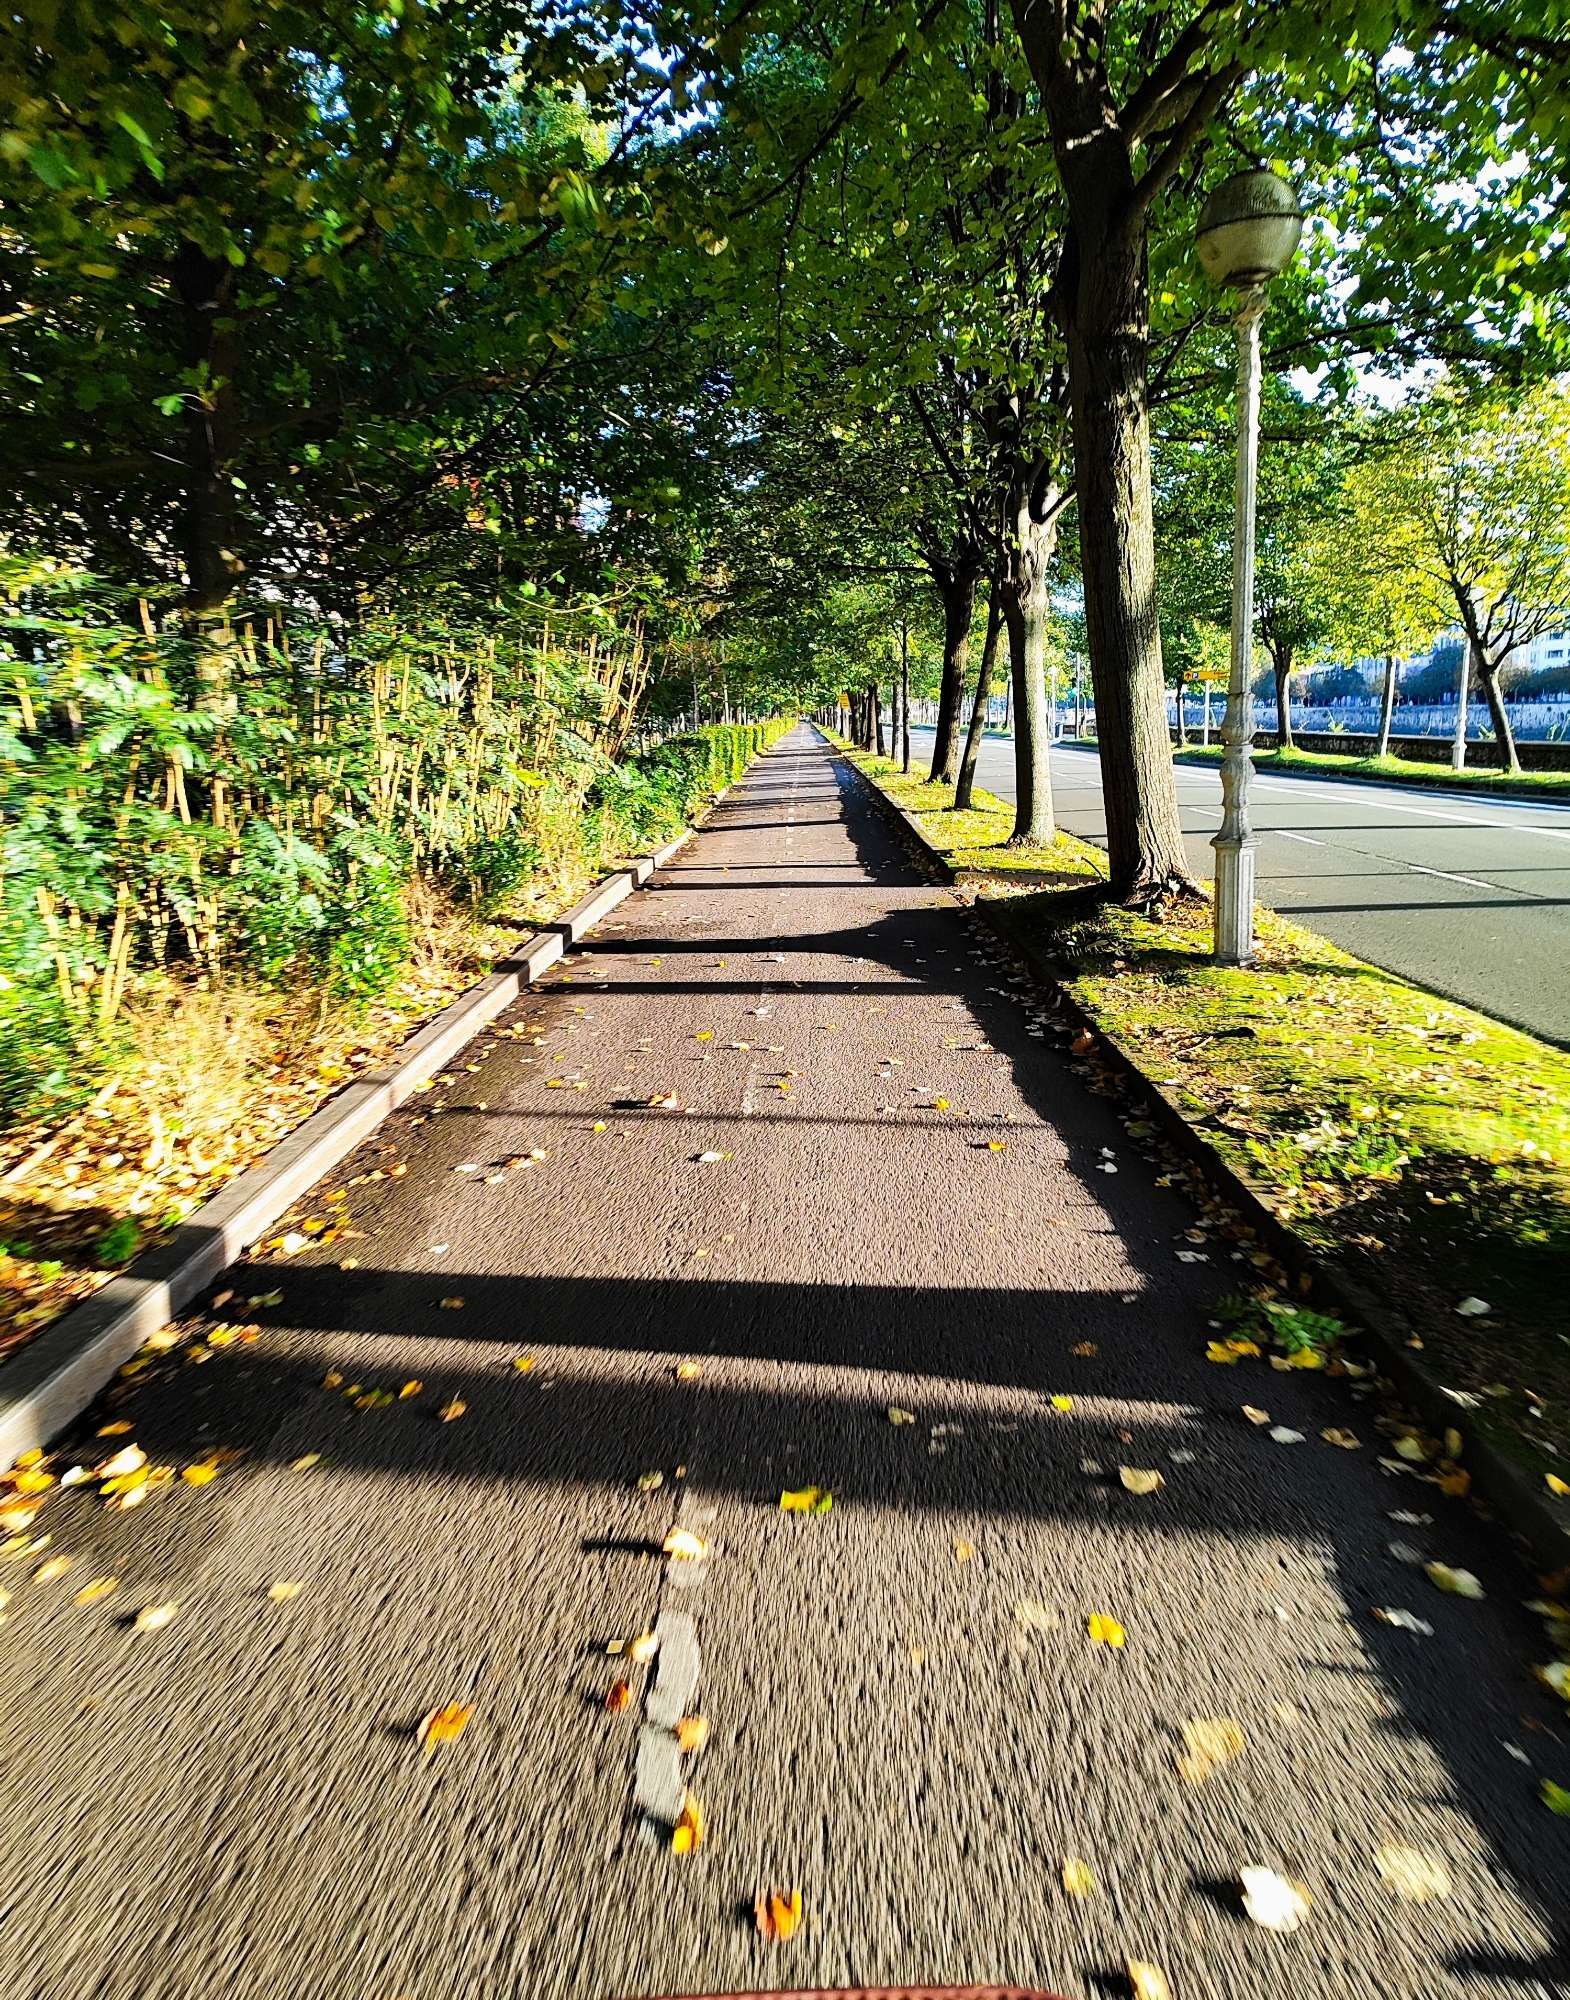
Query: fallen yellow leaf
(1077, 1878)
(1344, 1439)
(444, 1725)
(114, 1430)
(899, 1416)
(96, 1591)
(806, 1500)
(410, 1389)
(452, 1409)
(32, 1481)
(523, 1363)
(1454, 1582)
(153, 1617)
(963, 1551)
(1555, 1484)
(1135, 1480)
(688, 1832)
(779, 1914)
(1148, 1982)
(305, 1461)
(684, 1545)
(1064, 1403)
(1105, 1630)
(1208, 1743)
(285, 1588)
(53, 1570)
(1256, 1416)
(203, 1473)
(688, 1371)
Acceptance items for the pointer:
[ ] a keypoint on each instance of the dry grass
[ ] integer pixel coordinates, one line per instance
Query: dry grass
(206, 1078)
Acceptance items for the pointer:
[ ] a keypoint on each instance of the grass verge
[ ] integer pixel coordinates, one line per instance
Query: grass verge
(977, 841)
(1393, 770)
(1422, 1145)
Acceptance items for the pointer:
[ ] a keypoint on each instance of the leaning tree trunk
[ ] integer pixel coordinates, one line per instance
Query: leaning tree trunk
(1387, 706)
(1106, 322)
(1025, 603)
(1107, 369)
(964, 791)
(1499, 715)
(956, 583)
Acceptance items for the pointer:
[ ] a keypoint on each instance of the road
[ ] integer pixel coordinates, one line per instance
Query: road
(1469, 896)
(913, 1209)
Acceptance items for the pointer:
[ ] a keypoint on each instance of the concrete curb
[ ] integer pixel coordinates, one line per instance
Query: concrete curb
(57, 1375)
(1382, 1325)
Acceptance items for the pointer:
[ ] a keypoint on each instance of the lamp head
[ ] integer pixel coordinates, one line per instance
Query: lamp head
(1248, 229)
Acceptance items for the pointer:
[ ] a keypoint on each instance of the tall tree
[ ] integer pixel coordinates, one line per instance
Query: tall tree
(1483, 485)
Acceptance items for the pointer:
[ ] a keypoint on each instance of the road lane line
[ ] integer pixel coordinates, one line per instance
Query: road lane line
(1425, 812)
(1307, 839)
(1470, 881)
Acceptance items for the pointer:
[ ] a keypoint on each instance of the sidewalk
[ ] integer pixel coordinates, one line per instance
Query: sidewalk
(910, 1722)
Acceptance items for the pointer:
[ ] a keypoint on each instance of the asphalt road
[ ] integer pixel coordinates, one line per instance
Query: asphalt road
(909, 1720)
(1469, 896)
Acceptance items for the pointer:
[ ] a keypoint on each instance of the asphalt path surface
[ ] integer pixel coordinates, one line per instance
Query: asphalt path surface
(1465, 894)
(909, 1719)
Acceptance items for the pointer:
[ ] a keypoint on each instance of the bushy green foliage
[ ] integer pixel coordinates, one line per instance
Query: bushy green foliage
(257, 804)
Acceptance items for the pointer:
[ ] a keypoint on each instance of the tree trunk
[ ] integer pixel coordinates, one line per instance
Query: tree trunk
(1105, 311)
(1283, 674)
(964, 790)
(204, 287)
(904, 704)
(956, 583)
(876, 740)
(1499, 715)
(1387, 706)
(1182, 726)
(1025, 600)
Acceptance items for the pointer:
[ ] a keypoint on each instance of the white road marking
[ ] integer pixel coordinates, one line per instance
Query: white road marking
(1307, 839)
(1426, 812)
(1470, 881)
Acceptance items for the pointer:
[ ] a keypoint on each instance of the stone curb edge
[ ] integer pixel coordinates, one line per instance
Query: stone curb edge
(57, 1375)
(1496, 1477)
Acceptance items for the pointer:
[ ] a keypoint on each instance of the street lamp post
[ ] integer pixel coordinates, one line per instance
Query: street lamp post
(1248, 231)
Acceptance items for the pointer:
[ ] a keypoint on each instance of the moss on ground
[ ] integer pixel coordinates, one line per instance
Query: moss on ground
(1392, 770)
(1422, 1144)
(977, 841)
